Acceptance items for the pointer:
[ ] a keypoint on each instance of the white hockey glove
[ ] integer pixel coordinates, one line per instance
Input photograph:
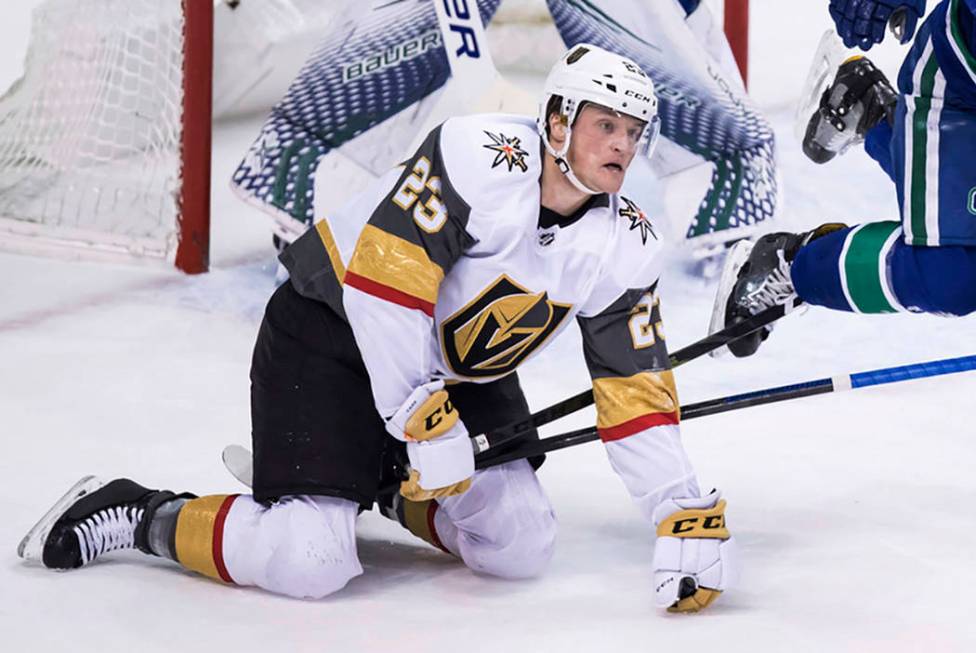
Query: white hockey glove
(694, 557)
(438, 447)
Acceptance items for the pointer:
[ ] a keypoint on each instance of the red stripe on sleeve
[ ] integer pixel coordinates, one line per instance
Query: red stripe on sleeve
(218, 538)
(636, 425)
(393, 295)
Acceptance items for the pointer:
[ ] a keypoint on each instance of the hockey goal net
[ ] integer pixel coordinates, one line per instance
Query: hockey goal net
(104, 140)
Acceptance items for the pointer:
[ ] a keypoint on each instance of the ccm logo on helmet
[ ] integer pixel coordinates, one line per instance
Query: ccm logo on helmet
(459, 13)
(631, 68)
(640, 97)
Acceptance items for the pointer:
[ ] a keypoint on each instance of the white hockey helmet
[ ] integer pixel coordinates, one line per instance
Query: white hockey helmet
(588, 73)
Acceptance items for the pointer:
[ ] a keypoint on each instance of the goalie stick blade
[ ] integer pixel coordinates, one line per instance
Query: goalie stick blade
(239, 463)
(734, 261)
(31, 547)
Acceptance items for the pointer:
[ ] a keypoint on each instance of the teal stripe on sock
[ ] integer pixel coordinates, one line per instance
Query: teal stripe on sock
(862, 268)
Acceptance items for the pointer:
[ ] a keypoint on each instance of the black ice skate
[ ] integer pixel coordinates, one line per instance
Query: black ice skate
(859, 97)
(93, 518)
(756, 276)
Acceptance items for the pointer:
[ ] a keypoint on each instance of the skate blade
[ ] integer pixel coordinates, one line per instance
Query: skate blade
(32, 546)
(734, 261)
(830, 54)
(239, 463)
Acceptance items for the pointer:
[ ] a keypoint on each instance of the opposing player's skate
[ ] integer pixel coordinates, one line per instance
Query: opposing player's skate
(855, 101)
(756, 276)
(93, 518)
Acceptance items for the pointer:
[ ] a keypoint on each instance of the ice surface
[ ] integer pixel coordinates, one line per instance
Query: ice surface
(852, 510)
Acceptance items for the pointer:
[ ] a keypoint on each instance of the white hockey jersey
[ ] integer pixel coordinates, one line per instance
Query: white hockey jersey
(443, 272)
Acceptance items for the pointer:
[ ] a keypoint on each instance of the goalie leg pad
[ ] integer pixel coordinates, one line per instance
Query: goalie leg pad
(503, 526)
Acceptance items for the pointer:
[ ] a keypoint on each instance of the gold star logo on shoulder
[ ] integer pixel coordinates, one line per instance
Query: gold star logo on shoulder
(638, 219)
(507, 150)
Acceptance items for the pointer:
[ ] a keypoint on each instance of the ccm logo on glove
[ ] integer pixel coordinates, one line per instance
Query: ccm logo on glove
(708, 523)
(435, 417)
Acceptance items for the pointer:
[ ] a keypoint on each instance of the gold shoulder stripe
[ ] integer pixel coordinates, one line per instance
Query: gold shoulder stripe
(623, 399)
(331, 248)
(396, 263)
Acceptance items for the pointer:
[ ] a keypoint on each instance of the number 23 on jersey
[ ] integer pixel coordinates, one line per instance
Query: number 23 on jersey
(429, 213)
(644, 329)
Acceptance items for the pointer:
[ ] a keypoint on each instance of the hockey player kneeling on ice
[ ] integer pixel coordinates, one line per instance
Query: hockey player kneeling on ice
(398, 335)
(922, 136)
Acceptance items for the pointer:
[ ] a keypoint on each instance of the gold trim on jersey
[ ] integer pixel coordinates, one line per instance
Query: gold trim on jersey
(331, 248)
(507, 312)
(396, 263)
(621, 399)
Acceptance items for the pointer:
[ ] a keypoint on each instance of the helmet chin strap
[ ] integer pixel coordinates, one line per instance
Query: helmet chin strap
(562, 161)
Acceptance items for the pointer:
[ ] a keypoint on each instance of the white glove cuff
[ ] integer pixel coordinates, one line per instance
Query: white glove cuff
(443, 461)
(670, 506)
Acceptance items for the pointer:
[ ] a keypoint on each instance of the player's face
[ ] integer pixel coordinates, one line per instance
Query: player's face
(603, 145)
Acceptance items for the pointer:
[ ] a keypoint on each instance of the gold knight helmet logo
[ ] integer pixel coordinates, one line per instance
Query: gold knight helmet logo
(495, 332)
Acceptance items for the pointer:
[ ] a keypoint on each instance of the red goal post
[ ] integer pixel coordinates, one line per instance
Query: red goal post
(736, 22)
(105, 138)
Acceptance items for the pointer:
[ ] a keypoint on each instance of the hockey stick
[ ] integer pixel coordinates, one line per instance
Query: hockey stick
(237, 459)
(684, 355)
(836, 383)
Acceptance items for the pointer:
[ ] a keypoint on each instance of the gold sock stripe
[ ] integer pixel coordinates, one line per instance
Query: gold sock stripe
(200, 535)
(418, 517)
(704, 523)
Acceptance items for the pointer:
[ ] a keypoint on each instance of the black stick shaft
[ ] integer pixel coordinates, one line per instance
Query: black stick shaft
(691, 411)
(755, 398)
(515, 430)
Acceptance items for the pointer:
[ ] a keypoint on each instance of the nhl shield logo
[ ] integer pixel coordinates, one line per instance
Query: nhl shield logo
(494, 333)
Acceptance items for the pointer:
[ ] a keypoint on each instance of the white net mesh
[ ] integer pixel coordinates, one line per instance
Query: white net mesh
(90, 135)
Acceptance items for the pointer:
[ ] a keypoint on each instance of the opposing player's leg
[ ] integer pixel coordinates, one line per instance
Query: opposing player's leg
(865, 269)
(870, 269)
(928, 261)
(300, 546)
